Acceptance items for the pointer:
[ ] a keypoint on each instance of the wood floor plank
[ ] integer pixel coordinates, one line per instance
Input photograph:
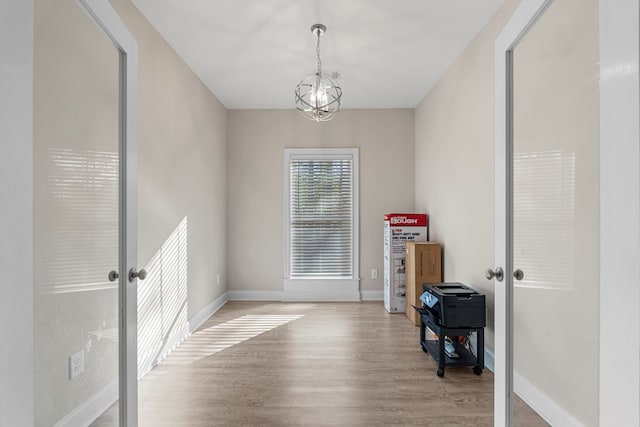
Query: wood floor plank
(339, 364)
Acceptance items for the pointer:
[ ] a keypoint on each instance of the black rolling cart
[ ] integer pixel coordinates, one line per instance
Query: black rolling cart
(453, 309)
(435, 347)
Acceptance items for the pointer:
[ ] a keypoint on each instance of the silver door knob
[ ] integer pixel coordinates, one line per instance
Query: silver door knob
(113, 276)
(133, 274)
(498, 274)
(518, 274)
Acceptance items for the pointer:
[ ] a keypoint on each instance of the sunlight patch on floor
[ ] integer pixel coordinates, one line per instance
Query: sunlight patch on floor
(216, 338)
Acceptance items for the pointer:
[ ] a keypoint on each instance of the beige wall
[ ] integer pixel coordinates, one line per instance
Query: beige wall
(454, 162)
(257, 139)
(182, 137)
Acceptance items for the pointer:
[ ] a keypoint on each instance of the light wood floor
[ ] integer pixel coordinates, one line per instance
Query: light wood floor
(340, 364)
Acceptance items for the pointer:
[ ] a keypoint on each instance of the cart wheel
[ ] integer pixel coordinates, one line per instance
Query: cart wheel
(477, 370)
(440, 372)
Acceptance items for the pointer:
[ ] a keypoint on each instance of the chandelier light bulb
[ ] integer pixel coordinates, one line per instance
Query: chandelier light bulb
(319, 97)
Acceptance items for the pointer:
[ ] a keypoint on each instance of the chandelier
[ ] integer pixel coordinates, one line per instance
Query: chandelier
(317, 95)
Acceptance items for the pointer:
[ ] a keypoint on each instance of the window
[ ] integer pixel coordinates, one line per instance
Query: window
(321, 217)
(321, 189)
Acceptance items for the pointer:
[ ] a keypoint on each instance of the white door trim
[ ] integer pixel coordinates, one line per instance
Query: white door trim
(619, 210)
(16, 214)
(108, 20)
(520, 22)
(619, 214)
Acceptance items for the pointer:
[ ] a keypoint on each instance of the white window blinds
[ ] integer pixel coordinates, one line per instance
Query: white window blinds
(321, 217)
(543, 218)
(76, 220)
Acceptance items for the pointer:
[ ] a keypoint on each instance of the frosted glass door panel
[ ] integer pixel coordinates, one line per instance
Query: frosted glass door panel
(76, 217)
(555, 215)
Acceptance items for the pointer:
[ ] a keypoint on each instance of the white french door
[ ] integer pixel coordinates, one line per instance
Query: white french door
(85, 151)
(547, 214)
(615, 182)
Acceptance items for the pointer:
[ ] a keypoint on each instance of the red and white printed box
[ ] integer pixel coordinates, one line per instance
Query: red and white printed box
(399, 228)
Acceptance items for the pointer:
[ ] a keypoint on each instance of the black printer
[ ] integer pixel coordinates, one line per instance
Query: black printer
(453, 305)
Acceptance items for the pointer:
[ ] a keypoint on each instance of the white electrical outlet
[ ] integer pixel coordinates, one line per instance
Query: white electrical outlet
(76, 364)
(217, 279)
(374, 273)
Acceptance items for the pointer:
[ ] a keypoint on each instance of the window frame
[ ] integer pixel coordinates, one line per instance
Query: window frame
(322, 288)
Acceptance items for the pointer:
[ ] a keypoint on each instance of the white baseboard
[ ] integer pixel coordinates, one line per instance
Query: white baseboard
(162, 350)
(92, 408)
(171, 343)
(489, 360)
(321, 297)
(207, 312)
(372, 295)
(255, 295)
(549, 410)
(298, 296)
(544, 406)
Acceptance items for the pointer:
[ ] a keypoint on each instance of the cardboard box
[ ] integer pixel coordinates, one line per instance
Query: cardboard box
(423, 265)
(398, 230)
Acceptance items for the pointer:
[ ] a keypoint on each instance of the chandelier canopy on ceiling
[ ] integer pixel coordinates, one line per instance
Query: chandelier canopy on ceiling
(317, 95)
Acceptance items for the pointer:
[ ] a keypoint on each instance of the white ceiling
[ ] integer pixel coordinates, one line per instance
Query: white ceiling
(252, 53)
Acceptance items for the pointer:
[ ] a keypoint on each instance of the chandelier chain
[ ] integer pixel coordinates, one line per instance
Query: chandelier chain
(319, 62)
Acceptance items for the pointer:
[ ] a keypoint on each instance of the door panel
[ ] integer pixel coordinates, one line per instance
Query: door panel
(555, 213)
(83, 215)
(77, 157)
(548, 189)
